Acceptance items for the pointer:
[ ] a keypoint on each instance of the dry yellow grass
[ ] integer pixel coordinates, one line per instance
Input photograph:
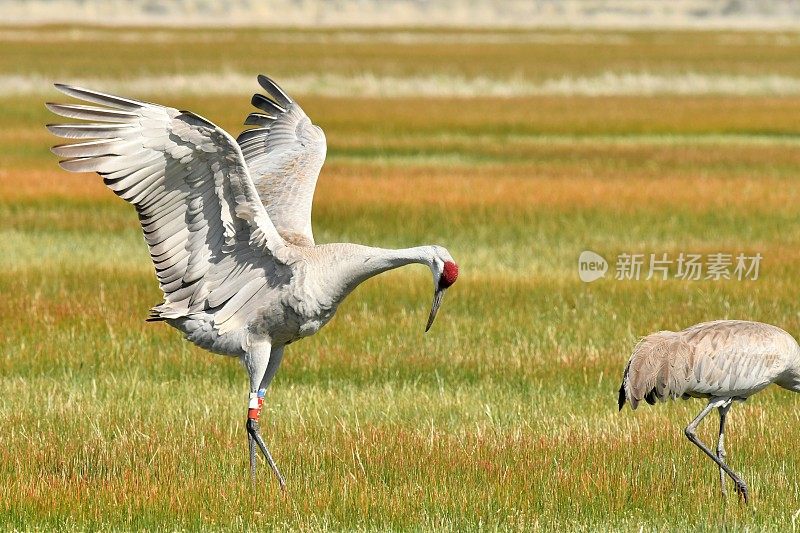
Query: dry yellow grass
(27, 184)
(350, 186)
(500, 187)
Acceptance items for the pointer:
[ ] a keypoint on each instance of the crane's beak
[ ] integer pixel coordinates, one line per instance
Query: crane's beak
(437, 301)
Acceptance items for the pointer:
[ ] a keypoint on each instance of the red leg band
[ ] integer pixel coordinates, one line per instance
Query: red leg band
(252, 414)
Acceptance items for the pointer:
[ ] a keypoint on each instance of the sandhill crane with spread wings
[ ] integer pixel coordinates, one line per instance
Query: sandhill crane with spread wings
(228, 225)
(723, 361)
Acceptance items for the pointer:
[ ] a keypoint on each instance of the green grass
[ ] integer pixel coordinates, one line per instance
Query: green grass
(537, 54)
(504, 415)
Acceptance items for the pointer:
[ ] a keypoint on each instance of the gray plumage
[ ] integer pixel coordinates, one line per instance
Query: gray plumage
(284, 155)
(722, 361)
(228, 223)
(725, 358)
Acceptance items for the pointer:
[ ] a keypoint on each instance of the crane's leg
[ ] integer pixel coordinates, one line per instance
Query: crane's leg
(253, 412)
(257, 363)
(275, 358)
(741, 488)
(723, 413)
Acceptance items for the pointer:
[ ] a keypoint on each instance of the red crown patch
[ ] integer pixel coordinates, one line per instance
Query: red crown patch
(449, 274)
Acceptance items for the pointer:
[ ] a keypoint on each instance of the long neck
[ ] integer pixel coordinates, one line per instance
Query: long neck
(354, 264)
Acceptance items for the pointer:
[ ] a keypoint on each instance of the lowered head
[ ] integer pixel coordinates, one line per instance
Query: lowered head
(445, 273)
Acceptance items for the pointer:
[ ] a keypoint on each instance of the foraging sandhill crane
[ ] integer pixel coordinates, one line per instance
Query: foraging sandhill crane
(228, 225)
(723, 361)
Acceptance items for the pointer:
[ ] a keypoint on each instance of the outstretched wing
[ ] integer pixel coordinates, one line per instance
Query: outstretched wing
(285, 154)
(210, 239)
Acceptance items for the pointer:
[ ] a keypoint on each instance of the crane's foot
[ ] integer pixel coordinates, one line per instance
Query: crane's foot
(254, 437)
(741, 490)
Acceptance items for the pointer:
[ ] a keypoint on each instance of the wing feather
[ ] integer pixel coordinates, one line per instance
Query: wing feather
(265, 104)
(91, 131)
(285, 154)
(259, 119)
(200, 212)
(274, 91)
(87, 112)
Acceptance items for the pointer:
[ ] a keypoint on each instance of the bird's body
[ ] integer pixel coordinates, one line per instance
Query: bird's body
(228, 224)
(722, 361)
(298, 303)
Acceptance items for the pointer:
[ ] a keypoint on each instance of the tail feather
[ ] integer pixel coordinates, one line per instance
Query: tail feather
(622, 394)
(651, 397)
(657, 371)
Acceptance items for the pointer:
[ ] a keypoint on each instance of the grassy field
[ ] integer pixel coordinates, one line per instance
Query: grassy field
(504, 415)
